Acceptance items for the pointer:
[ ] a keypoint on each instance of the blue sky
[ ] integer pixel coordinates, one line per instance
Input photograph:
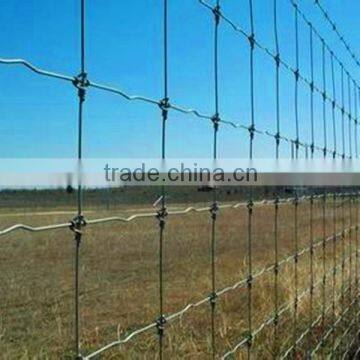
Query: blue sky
(124, 49)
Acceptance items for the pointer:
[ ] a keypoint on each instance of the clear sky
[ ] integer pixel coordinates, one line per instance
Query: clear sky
(124, 49)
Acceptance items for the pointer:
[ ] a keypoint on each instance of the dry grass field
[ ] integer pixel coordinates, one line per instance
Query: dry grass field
(119, 283)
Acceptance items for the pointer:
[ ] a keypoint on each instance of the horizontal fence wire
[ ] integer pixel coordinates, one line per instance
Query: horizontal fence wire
(298, 75)
(232, 123)
(238, 285)
(283, 309)
(336, 30)
(343, 324)
(153, 214)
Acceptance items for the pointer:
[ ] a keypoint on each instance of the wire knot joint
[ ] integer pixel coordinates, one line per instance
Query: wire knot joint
(297, 75)
(277, 59)
(164, 106)
(81, 82)
(161, 216)
(251, 130)
(214, 209)
(160, 324)
(213, 298)
(249, 281)
(216, 120)
(276, 269)
(297, 143)
(250, 206)
(312, 86)
(249, 339)
(217, 14)
(76, 225)
(251, 39)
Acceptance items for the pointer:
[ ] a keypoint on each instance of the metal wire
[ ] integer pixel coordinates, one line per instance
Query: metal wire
(238, 285)
(316, 32)
(296, 76)
(334, 261)
(275, 349)
(277, 80)
(91, 84)
(336, 30)
(314, 323)
(312, 146)
(35, 69)
(250, 277)
(296, 275)
(287, 67)
(233, 123)
(78, 222)
(343, 113)
(356, 120)
(137, 216)
(351, 119)
(311, 272)
(324, 95)
(356, 197)
(354, 338)
(342, 291)
(324, 271)
(330, 330)
(162, 212)
(333, 104)
(286, 307)
(82, 84)
(251, 39)
(214, 206)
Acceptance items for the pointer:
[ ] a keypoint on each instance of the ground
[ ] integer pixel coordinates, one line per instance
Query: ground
(119, 282)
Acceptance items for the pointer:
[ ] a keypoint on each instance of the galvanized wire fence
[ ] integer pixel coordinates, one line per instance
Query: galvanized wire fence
(331, 298)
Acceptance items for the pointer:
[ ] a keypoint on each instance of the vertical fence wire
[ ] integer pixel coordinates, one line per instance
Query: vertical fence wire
(356, 121)
(350, 116)
(275, 349)
(251, 129)
(343, 112)
(334, 275)
(214, 206)
(78, 222)
(333, 104)
(342, 299)
(356, 199)
(249, 277)
(311, 275)
(312, 145)
(324, 270)
(251, 39)
(324, 97)
(276, 278)
(162, 212)
(296, 275)
(296, 74)
(277, 79)
(350, 237)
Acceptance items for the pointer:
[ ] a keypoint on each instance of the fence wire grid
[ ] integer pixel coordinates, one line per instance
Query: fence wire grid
(332, 328)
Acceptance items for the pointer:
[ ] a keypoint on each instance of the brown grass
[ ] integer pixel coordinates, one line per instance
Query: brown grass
(119, 284)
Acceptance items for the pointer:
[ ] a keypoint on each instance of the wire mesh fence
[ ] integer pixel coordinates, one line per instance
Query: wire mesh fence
(321, 265)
